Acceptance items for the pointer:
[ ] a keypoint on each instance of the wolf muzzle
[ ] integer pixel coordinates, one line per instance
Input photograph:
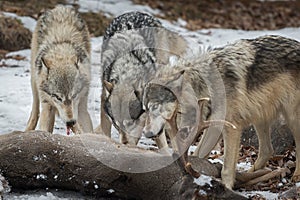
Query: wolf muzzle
(149, 134)
(70, 126)
(70, 123)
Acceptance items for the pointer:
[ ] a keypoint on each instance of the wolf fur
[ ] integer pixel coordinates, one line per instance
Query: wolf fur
(261, 80)
(60, 71)
(134, 45)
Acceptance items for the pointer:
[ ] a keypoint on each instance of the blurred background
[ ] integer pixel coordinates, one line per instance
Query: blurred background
(190, 14)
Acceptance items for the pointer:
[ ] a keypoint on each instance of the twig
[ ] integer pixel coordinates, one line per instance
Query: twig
(243, 177)
(266, 177)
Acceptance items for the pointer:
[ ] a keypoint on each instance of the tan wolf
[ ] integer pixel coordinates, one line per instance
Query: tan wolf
(134, 46)
(260, 80)
(60, 71)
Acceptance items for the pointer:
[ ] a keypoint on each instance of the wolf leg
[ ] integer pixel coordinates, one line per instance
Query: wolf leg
(47, 117)
(231, 148)
(265, 146)
(123, 137)
(293, 119)
(207, 142)
(132, 139)
(161, 141)
(105, 124)
(35, 110)
(296, 175)
(84, 118)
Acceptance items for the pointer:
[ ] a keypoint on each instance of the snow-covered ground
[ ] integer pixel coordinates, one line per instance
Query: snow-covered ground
(15, 90)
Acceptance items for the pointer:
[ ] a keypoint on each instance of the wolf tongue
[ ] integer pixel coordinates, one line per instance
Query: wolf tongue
(69, 130)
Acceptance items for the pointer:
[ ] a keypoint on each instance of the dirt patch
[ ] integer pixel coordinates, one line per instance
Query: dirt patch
(28, 7)
(96, 22)
(242, 14)
(13, 35)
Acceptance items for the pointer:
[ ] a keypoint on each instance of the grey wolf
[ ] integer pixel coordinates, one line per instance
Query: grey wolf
(60, 71)
(134, 46)
(261, 79)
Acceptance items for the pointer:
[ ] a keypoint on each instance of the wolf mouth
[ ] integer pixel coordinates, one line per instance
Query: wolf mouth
(70, 126)
(150, 134)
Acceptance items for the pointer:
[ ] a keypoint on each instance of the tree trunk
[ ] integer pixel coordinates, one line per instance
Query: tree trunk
(42, 160)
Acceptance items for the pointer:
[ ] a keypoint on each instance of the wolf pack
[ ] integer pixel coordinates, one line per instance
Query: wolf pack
(146, 93)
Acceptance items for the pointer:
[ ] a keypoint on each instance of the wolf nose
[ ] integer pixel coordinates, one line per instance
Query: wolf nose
(148, 134)
(71, 123)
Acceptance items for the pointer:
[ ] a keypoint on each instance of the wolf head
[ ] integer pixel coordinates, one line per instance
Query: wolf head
(127, 64)
(168, 96)
(64, 79)
(160, 104)
(160, 100)
(124, 106)
(134, 46)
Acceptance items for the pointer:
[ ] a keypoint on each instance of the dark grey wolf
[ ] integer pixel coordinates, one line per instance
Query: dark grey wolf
(261, 80)
(60, 71)
(134, 46)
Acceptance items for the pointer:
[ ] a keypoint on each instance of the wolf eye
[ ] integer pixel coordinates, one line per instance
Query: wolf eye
(154, 106)
(74, 96)
(128, 123)
(57, 97)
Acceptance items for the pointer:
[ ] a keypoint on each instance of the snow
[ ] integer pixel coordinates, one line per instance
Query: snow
(113, 7)
(267, 195)
(203, 180)
(28, 22)
(15, 89)
(45, 195)
(243, 166)
(41, 176)
(110, 191)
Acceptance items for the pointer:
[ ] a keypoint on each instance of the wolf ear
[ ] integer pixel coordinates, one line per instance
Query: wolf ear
(109, 86)
(43, 65)
(178, 75)
(46, 63)
(176, 83)
(77, 63)
(169, 110)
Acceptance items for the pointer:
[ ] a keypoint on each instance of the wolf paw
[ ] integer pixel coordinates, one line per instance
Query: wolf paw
(252, 169)
(296, 178)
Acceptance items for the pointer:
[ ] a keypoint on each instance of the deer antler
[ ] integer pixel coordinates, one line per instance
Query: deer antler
(179, 147)
(178, 142)
(204, 124)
